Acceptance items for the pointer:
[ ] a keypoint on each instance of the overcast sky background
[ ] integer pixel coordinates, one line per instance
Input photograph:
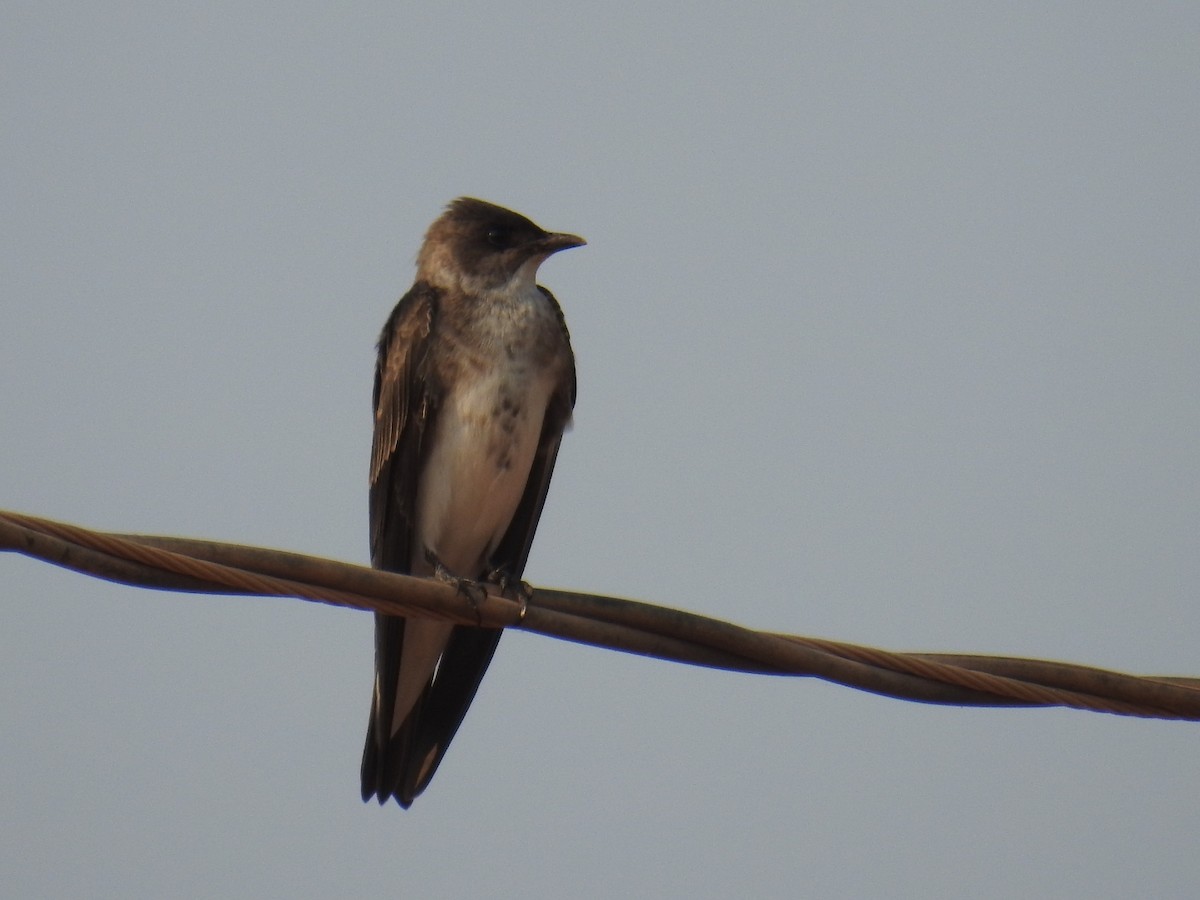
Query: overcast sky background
(887, 331)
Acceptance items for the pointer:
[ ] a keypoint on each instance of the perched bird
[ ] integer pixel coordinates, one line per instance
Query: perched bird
(474, 385)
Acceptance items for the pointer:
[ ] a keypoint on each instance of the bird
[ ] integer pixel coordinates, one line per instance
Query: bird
(474, 388)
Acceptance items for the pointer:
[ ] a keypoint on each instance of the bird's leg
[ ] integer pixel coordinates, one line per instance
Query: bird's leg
(474, 591)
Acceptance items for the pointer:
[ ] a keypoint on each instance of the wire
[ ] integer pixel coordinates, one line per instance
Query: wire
(181, 564)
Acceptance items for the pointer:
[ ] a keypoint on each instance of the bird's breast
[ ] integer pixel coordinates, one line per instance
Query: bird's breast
(483, 444)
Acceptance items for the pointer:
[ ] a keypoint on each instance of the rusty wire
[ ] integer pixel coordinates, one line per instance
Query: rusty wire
(181, 564)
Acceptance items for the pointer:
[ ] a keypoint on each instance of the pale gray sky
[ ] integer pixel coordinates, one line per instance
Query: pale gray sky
(887, 329)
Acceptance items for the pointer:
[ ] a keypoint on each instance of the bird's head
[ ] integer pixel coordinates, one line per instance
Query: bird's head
(482, 248)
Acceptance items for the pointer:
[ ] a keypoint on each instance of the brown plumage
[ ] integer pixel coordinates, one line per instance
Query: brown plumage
(474, 386)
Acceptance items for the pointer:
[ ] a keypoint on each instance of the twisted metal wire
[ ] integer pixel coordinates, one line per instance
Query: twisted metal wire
(181, 564)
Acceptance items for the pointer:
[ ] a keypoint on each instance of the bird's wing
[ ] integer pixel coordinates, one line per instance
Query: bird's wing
(405, 399)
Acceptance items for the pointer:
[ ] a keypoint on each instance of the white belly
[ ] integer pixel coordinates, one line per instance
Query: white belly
(482, 449)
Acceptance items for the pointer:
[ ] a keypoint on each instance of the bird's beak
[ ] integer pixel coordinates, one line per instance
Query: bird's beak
(552, 243)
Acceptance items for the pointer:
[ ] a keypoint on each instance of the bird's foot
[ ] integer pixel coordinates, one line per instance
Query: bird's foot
(513, 588)
(475, 592)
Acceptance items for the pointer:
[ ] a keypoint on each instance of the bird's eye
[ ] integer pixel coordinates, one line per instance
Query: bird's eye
(500, 236)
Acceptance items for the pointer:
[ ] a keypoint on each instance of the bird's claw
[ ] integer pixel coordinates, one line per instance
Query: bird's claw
(475, 592)
(514, 589)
